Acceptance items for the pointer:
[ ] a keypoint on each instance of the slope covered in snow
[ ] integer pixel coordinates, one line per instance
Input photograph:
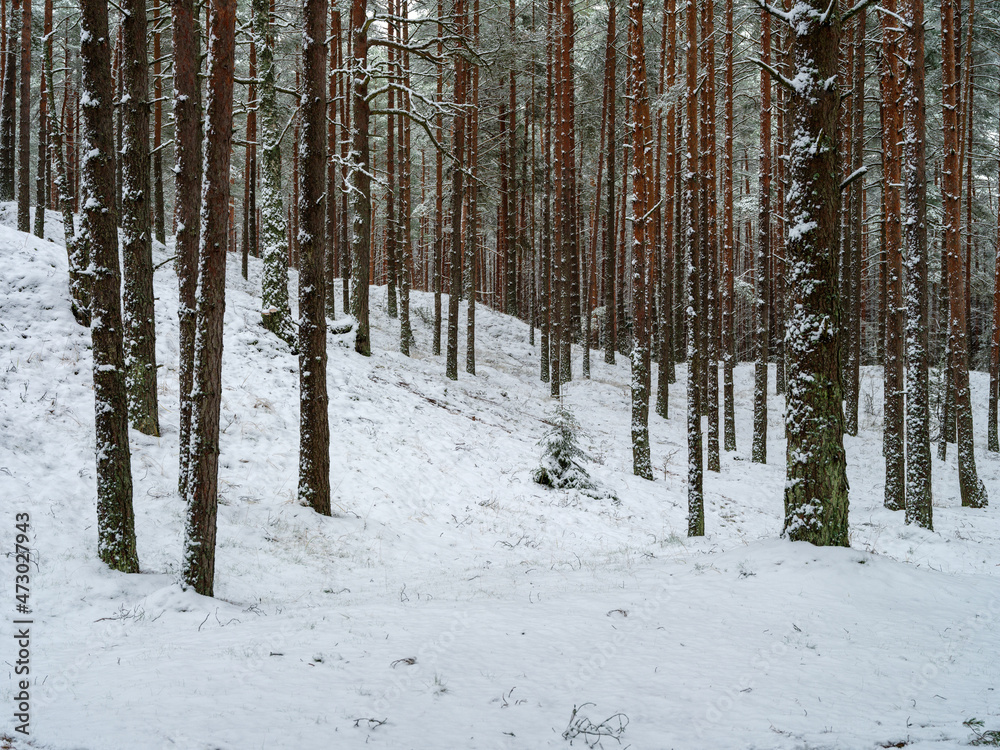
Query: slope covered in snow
(451, 602)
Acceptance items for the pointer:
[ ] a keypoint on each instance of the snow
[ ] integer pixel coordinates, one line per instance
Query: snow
(450, 596)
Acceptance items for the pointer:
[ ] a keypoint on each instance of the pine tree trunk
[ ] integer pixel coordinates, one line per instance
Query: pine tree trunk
(972, 489)
(8, 105)
(472, 239)
(457, 198)
(608, 269)
(893, 449)
(202, 496)
(762, 271)
(438, 239)
(816, 491)
(993, 438)
(406, 210)
(77, 251)
(728, 270)
(159, 212)
(919, 508)
(275, 309)
(361, 195)
(24, 128)
(137, 252)
(696, 497)
(711, 319)
(314, 423)
(187, 189)
(42, 160)
(115, 519)
(641, 131)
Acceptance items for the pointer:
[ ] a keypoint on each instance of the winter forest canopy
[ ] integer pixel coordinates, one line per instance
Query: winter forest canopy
(769, 231)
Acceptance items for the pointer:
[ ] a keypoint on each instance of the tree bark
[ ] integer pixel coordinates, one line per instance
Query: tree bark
(696, 496)
(361, 195)
(457, 197)
(24, 128)
(762, 270)
(187, 189)
(972, 488)
(159, 212)
(137, 250)
(816, 490)
(642, 236)
(202, 498)
(919, 507)
(314, 423)
(275, 309)
(115, 519)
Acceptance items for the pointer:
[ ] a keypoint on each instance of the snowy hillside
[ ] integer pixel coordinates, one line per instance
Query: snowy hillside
(451, 602)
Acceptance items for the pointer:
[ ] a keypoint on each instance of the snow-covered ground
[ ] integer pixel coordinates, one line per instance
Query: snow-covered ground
(451, 602)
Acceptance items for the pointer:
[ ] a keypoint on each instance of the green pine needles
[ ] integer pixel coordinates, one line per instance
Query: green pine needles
(562, 458)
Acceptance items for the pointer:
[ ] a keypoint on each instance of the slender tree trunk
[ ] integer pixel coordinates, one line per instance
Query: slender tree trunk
(762, 263)
(919, 508)
(275, 308)
(392, 192)
(406, 210)
(361, 195)
(24, 129)
(972, 489)
(711, 320)
(728, 270)
(187, 188)
(115, 519)
(696, 496)
(202, 497)
(159, 212)
(993, 439)
(472, 239)
(641, 131)
(608, 270)
(457, 198)
(77, 251)
(439, 187)
(137, 251)
(816, 499)
(8, 104)
(895, 466)
(42, 160)
(314, 423)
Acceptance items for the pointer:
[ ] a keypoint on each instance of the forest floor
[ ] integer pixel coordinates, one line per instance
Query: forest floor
(451, 602)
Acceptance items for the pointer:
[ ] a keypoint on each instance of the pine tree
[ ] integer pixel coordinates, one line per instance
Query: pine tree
(816, 490)
(8, 105)
(458, 168)
(24, 127)
(198, 569)
(641, 132)
(972, 489)
(919, 507)
(137, 251)
(159, 212)
(115, 519)
(696, 496)
(314, 423)
(360, 178)
(77, 251)
(762, 261)
(895, 469)
(275, 310)
(187, 189)
(608, 263)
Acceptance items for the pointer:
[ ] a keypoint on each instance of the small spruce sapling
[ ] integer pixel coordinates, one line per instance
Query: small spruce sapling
(562, 457)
